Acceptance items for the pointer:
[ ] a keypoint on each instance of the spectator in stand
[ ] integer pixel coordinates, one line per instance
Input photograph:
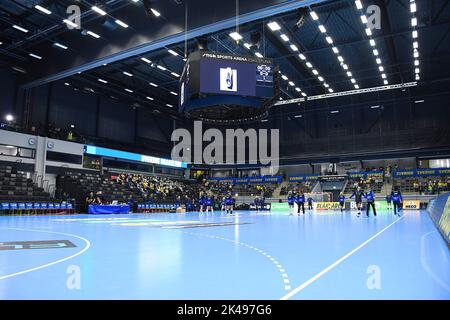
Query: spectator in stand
(90, 199)
(65, 197)
(99, 198)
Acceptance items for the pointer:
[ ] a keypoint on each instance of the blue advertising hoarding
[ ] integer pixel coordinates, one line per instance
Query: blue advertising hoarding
(439, 210)
(422, 173)
(263, 179)
(303, 177)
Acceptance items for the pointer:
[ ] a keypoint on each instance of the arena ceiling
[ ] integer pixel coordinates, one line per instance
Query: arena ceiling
(135, 51)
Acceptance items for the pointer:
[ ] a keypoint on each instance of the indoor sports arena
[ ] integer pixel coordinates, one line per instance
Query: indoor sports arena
(224, 150)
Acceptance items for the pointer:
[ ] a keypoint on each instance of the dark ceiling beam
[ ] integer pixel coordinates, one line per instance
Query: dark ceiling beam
(389, 42)
(408, 97)
(160, 129)
(439, 11)
(441, 41)
(305, 75)
(205, 24)
(128, 98)
(59, 28)
(358, 40)
(141, 85)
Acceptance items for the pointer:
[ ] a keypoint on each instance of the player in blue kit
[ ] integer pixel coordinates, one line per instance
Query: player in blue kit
(291, 201)
(209, 202)
(223, 205)
(300, 201)
(358, 194)
(201, 202)
(229, 202)
(389, 201)
(370, 198)
(341, 200)
(397, 200)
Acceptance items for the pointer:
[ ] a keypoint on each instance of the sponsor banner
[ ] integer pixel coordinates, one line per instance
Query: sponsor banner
(349, 205)
(327, 206)
(257, 180)
(279, 207)
(304, 178)
(354, 175)
(421, 172)
(366, 175)
(411, 205)
(439, 210)
(444, 221)
(265, 207)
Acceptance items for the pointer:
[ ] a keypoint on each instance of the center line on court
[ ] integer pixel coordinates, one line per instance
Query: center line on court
(336, 263)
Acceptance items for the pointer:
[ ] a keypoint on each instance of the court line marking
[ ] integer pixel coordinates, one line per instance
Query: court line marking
(279, 266)
(426, 266)
(88, 245)
(337, 262)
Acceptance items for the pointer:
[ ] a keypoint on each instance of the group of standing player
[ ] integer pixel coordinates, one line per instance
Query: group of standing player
(206, 203)
(395, 197)
(298, 198)
(359, 195)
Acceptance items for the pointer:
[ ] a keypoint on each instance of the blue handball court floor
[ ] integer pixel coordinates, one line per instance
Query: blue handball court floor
(248, 255)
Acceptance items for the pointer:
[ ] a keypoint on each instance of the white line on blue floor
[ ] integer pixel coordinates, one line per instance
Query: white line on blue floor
(88, 244)
(279, 266)
(426, 266)
(336, 263)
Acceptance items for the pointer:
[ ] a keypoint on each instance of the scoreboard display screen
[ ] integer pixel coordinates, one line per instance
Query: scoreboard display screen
(244, 76)
(209, 73)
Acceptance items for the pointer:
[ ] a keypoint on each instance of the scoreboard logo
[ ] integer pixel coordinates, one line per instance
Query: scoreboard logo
(228, 79)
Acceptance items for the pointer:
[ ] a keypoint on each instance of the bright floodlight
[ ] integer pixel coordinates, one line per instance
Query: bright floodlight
(98, 10)
(314, 15)
(42, 9)
(155, 12)
(235, 36)
(274, 26)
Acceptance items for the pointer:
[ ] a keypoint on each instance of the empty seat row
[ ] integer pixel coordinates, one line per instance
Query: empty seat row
(35, 207)
(149, 207)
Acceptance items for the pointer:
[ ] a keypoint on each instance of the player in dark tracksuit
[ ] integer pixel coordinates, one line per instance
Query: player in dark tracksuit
(341, 200)
(300, 201)
(370, 197)
(257, 203)
(310, 203)
(397, 200)
(291, 201)
(262, 203)
(358, 194)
